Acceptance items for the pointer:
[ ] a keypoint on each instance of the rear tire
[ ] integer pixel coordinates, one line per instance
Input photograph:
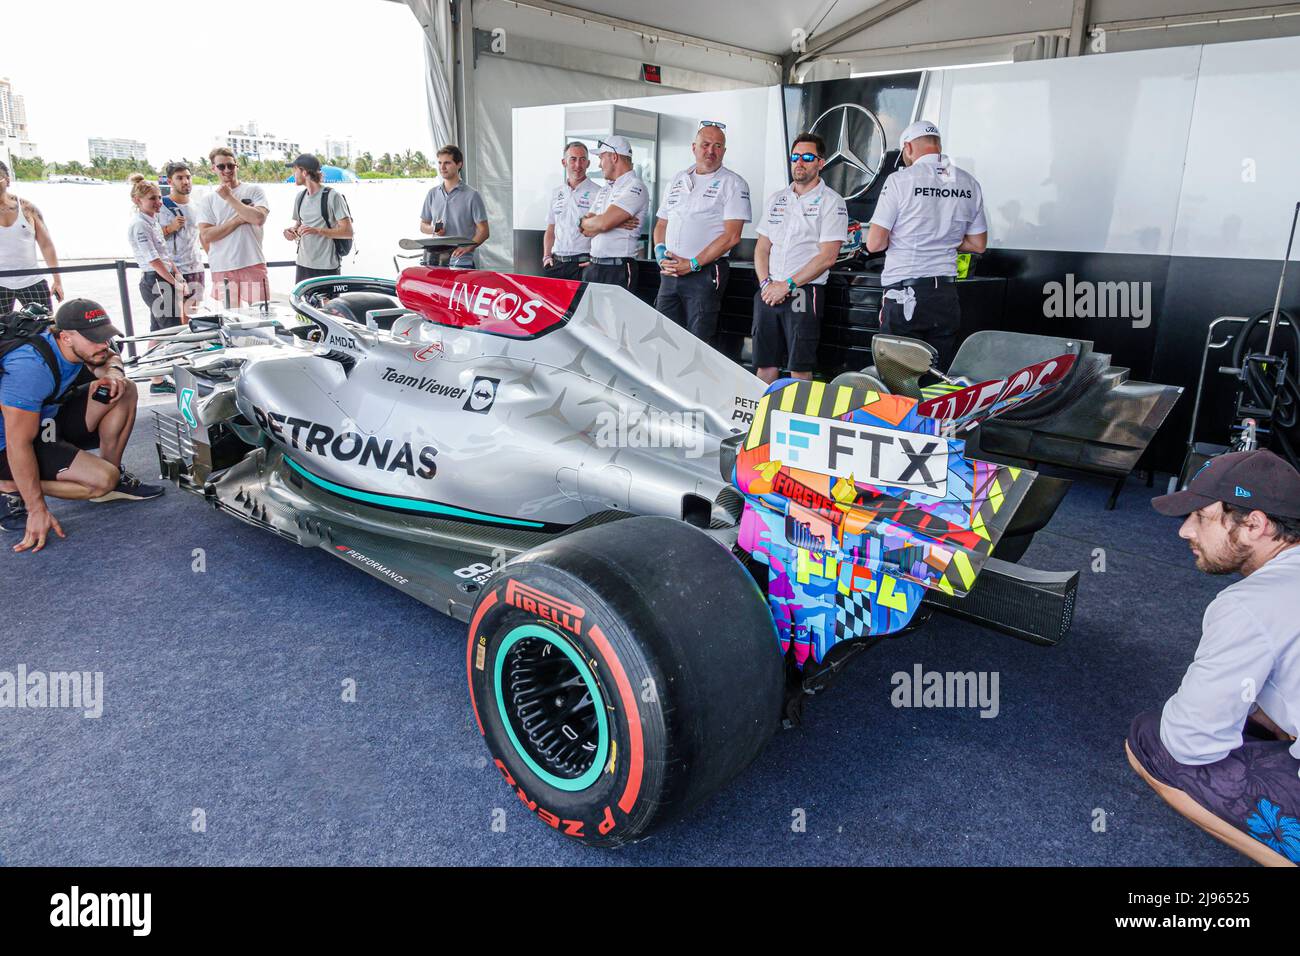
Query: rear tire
(623, 674)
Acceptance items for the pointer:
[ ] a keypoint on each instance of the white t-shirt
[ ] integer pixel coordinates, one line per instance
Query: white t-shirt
(1250, 641)
(798, 225)
(183, 246)
(568, 205)
(927, 207)
(697, 205)
(628, 193)
(147, 244)
(243, 247)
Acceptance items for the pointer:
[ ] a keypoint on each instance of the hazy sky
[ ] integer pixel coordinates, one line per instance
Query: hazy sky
(300, 68)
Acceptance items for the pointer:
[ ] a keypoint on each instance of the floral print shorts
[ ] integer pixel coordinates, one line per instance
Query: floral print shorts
(1256, 788)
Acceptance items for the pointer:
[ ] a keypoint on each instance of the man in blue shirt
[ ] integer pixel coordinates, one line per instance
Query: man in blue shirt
(1223, 750)
(45, 441)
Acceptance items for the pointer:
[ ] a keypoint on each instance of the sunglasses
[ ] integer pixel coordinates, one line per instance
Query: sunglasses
(715, 123)
(806, 157)
(227, 166)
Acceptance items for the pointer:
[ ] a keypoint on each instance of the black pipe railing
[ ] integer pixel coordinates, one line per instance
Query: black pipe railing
(120, 266)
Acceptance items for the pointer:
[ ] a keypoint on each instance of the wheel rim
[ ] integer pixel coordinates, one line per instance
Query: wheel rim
(551, 707)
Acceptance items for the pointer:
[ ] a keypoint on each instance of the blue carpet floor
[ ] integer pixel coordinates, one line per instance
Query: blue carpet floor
(222, 693)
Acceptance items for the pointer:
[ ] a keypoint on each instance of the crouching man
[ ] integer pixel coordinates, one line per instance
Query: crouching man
(1223, 752)
(63, 393)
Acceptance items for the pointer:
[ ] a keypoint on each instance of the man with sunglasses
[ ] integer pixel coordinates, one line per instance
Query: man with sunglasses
(566, 252)
(698, 224)
(614, 223)
(927, 213)
(799, 238)
(230, 222)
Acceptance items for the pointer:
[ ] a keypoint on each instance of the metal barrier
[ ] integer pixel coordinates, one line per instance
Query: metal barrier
(120, 266)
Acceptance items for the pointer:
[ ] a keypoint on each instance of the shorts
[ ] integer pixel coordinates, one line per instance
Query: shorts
(37, 292)
(303, 273)
(786, 336)
(1254, 788)
(936, 319)
(624, 274)
(249, 285)
(161, 300)
(695, 299)
(70, 437)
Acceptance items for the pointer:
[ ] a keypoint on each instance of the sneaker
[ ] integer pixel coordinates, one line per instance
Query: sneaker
(13, 513)
(162, 388)
(130, 488)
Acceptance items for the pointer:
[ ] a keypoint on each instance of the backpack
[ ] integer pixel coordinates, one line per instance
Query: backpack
(25, 328)
(342, 247)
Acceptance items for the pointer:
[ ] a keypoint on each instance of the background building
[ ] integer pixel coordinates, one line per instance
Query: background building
(13, 122)
(337, 148)
(102, 148)
(249, 142)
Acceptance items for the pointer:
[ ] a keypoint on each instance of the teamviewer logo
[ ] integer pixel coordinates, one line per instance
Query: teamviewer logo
(482, 395)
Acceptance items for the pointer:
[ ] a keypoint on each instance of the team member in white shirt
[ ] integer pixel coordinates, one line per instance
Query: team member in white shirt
(699, 223)
(181, 231)
(162, 286)
(230, 227)
(565, 250)
(927, 213)
(614, 223)
(799, 237)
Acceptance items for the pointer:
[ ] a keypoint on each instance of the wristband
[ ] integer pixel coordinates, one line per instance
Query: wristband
(695, 264)
(765, 283)
(790, 283)
(661, 252)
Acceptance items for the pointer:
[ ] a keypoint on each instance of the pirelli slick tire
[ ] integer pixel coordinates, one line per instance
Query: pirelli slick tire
(623, 674)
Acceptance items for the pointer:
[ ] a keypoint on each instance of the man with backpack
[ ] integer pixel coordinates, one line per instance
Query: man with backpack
(63, 391)
(322, 222)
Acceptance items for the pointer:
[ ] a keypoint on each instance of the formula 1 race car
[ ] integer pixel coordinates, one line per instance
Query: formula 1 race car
(658, 557)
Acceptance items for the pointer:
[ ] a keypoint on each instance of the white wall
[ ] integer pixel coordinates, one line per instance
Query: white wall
(754, 144)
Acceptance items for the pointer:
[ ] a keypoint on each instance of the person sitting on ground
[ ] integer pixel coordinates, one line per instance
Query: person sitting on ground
(49, 423)
(1242, 517)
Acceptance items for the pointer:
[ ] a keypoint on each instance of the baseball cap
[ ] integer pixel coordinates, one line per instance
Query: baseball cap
(307, 161)
(919, 128)
(614, 144)
(86, 317)
(1254, 480)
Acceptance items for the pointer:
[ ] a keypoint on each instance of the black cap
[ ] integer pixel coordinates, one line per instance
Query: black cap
(86, 317)
(1254, 480)
(307, 161)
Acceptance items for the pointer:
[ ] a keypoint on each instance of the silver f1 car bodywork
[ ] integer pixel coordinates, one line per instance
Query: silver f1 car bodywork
(552, 411)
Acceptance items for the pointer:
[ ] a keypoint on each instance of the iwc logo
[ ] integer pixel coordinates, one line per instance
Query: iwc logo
(855, 146)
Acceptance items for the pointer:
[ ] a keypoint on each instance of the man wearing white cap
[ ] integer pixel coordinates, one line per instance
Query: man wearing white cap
(927, 213)
(614, 223)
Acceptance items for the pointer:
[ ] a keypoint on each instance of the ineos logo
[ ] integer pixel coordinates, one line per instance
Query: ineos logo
(494, 303)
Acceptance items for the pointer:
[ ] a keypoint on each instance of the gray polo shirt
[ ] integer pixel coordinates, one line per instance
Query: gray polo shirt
(460, 210)
(317, 252)
(1249, 654)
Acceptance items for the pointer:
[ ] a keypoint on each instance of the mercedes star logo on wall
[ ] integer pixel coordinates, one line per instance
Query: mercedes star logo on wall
(855, 146)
